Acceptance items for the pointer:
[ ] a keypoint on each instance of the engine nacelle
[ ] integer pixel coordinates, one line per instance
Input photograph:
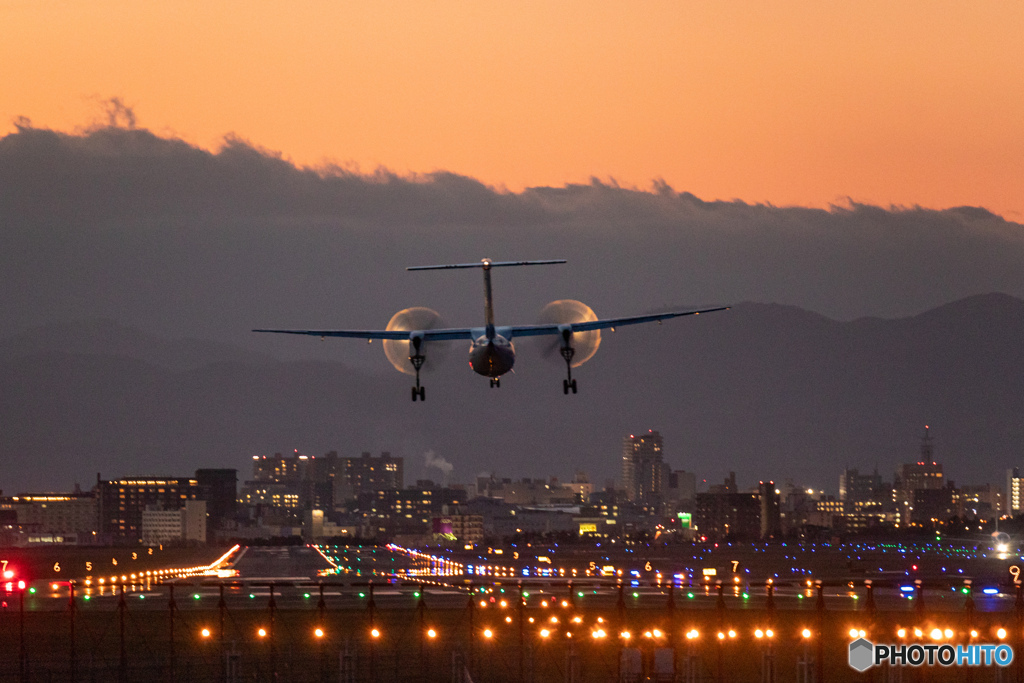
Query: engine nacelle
(409, 320)
(568, 311)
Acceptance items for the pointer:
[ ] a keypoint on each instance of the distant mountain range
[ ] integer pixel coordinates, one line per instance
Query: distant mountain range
(768, 391)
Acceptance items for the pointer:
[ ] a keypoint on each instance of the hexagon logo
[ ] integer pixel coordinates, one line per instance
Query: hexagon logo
(862, 654)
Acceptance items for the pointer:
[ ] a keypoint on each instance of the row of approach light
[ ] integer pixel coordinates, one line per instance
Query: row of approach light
(599, 632)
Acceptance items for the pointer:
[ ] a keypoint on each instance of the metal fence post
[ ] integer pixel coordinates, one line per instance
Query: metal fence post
(71, 611)
(122, 607)
(170, 609)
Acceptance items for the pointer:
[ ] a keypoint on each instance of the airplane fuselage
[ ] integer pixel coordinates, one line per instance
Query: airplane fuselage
(491, 357)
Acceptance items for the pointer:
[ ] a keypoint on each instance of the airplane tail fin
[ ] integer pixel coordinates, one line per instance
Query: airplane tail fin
(487, 264)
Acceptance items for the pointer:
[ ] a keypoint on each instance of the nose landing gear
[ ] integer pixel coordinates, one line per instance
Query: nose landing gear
(417, 359)
(495, 382)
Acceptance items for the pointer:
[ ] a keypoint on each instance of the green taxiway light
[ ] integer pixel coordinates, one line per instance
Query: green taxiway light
(88, 597)
(690, 595)
(32, 591)
(195, 596)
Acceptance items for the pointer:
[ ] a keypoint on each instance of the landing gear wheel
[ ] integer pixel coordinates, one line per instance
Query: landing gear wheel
(567, 353)
(423, 393)
(415, 394)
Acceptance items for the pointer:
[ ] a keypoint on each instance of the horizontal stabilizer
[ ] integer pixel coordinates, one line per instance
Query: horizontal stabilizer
(487, 262)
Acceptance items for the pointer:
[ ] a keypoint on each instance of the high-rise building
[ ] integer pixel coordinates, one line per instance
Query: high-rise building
(855, 487)
(771, 517)
(311, 482)
(728, 515)
(644, 475)
(369, 475)
(923, 475)
(65, 514)
(307, 480)
(185, 524)
(220, 491)
(122, 502)
(681, 489)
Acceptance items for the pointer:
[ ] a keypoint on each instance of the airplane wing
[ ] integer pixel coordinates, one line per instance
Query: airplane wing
(401, 335)
(537, 330)
(515, 331)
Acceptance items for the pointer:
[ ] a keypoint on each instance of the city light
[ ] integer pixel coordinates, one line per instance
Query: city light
(431, 633)
(806, 633)
(262, 633)
(902, 633)
(375, 633)
(205, 633)
(488, 633)
(544, 633)
(1001, 633)
(318, 632)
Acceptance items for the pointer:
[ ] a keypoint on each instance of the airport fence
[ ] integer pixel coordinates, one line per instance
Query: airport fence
(533, 632)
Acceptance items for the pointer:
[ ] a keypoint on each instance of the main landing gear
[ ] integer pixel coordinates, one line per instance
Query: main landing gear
(417, 359)
(495, 382)
(567, 353)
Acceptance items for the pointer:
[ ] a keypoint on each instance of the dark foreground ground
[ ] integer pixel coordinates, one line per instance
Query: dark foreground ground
(143, 640)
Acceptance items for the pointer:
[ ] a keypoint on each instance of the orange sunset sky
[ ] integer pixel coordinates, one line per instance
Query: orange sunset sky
(790, 102)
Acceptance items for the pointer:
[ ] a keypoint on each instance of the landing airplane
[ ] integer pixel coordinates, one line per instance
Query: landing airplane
(491, 352)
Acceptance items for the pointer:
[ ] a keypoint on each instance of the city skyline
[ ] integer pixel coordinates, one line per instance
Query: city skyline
(642, 473)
